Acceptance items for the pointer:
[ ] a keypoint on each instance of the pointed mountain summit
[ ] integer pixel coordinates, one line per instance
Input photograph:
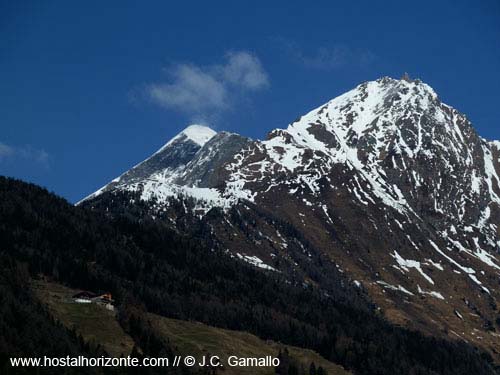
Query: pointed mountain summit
(167, 160)
(198, 134)
(185, 166)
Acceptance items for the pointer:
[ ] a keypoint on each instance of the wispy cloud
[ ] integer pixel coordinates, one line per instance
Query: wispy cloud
(8, 152)
(244, 70)
(5, 151)
(207, 91)
(191, 90)
(325, 57)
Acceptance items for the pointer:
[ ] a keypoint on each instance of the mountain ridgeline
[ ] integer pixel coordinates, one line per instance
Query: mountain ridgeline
(387, 183)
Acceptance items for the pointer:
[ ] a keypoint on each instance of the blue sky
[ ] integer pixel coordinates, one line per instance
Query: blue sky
(89, 90)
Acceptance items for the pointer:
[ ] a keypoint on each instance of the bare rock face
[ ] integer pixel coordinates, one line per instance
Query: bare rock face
(385, 183)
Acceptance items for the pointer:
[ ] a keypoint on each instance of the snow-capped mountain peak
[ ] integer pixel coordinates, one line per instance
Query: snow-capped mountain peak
(185, 166)
(199, 134)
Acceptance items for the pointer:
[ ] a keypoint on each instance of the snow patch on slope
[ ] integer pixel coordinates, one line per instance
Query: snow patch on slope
(255, 261)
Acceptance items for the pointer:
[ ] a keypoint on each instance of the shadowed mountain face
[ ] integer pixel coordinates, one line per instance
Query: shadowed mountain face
(180, 273)
(386, 182)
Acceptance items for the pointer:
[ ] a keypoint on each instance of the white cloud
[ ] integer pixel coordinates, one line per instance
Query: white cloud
(26, 152)
(191, 90)
(209, 90)
(245, 70)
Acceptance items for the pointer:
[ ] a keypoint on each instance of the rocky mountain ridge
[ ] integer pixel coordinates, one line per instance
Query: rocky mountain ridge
(385, 182)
